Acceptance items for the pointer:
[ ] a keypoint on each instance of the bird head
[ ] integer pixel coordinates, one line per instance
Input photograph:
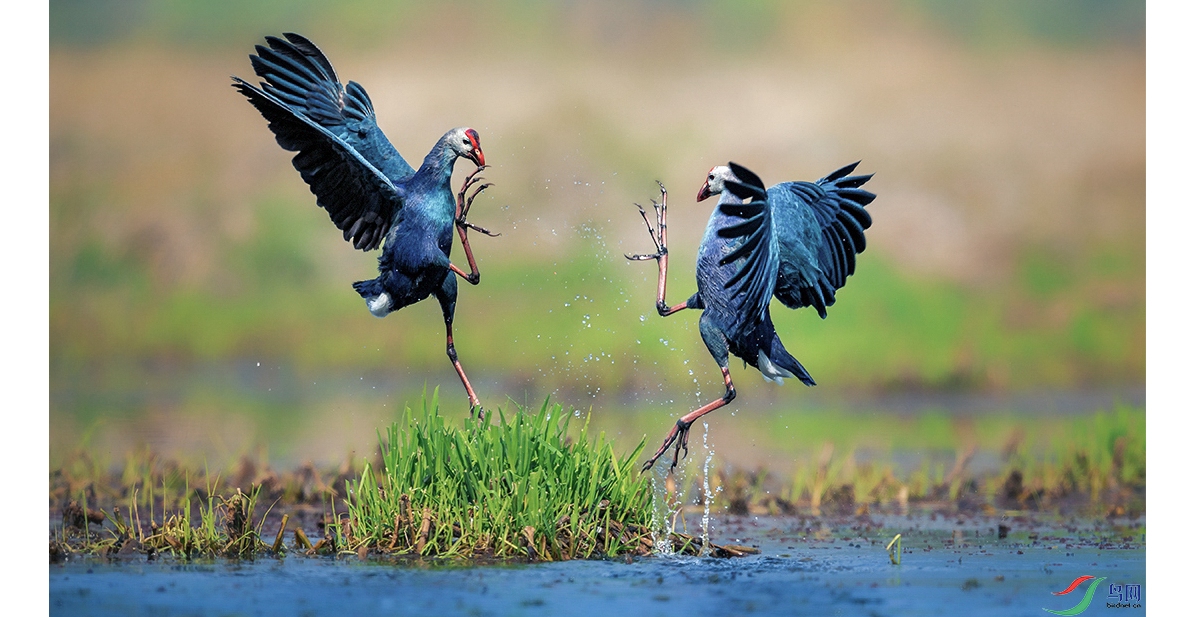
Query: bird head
(466, 143)
(716, 181)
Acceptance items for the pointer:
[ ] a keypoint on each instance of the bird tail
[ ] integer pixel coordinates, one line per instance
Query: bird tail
(368, 289)
(776, 363)
(376, 299)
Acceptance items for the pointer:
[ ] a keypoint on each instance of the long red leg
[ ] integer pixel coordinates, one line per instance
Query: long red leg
(452, 354)
(679, 434)
(660, 240)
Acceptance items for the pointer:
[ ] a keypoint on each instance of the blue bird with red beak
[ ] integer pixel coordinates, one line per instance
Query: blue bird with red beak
(796, 241)
(368, 190)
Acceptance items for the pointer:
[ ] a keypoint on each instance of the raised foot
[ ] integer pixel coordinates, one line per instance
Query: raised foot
(657, 234)
(679, 438)
(465, 203)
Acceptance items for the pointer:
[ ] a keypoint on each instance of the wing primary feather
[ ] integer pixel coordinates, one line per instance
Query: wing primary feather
(839, 173)
(283, 54)
(745, 175)
(853, 181)
(859, 196)
(854, 231)
(294, 82)
(346, 185)
(751, 242)
(310, 50)
(741, 210)
(359, 96)
(835, 206)
(746, 191)
(742, 229)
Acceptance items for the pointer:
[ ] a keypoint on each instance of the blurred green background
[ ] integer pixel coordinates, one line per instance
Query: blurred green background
(201, 304)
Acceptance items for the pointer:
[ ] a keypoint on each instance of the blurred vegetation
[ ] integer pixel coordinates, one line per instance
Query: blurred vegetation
(592, 329)
(548, 490)
(88, 23)
(1007, 251)
(1093, 464)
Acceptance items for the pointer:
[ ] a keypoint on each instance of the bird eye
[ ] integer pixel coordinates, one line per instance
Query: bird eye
(710, 177)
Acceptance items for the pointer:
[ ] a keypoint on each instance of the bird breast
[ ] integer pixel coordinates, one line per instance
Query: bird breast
(713, 277)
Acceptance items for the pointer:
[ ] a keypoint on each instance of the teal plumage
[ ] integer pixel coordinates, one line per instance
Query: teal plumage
(796, 241)
(820, 229)
(367, 188)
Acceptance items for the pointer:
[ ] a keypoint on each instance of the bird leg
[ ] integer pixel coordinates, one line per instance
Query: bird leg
(679, 434)
(463, 226)
(452, 354)
(660, 241)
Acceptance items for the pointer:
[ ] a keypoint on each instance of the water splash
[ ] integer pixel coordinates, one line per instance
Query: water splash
(661, 544)
(706, 497)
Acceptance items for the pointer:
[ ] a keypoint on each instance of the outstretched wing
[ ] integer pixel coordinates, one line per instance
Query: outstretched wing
(297, 73)
(359, 198)
(820, 229)
(756, 277)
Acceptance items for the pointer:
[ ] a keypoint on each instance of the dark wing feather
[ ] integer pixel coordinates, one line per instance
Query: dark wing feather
(825, 219)
(359, 198)
(297, 73)
(756, 276)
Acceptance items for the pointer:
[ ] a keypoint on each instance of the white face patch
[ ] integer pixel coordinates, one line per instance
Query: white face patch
(380, 305)
(716, 181)
(460, 142)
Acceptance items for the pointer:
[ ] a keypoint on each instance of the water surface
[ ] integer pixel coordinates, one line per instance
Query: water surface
(948, 565)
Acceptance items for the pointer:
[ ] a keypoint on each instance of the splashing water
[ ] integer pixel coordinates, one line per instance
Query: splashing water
(706, 489)
(661, 544)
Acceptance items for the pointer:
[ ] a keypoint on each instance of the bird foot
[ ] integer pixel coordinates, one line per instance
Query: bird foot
(467, 225)
(644, 257)
(677, 437)
(465, 203)
(657, 238)
(657, 234)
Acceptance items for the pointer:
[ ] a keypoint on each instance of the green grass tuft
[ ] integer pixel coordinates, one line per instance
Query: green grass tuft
(521, 486)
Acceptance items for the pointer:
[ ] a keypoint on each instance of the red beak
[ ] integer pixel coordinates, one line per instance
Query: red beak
(475, 154)
(705, 191)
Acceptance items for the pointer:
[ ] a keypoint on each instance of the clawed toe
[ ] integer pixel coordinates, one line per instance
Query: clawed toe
(656, 235)
(678, 437)
(465, 203)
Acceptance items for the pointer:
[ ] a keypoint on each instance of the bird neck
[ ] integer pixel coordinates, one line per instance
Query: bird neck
(438, 165)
